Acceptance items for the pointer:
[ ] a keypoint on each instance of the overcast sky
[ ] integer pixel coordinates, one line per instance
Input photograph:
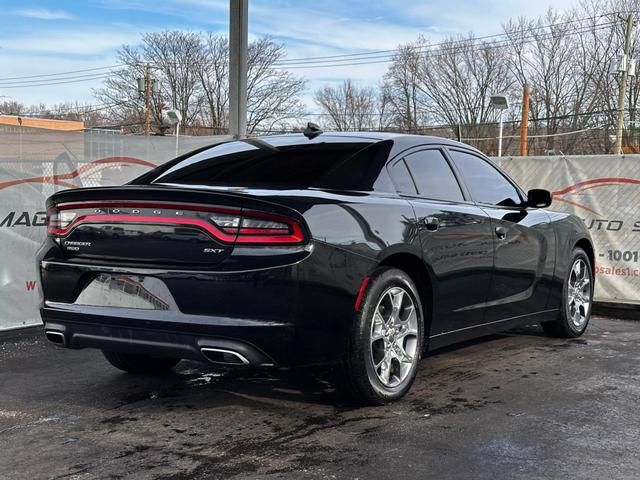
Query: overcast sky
(57, 36)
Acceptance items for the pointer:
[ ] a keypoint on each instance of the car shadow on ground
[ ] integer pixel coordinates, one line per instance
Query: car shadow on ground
(205, 386)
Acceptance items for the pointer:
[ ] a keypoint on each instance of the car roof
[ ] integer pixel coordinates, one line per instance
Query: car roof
(339, 137)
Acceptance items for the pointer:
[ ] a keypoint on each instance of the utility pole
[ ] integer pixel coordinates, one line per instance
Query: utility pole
(148, 89)
(524, 124)
(623, 83)
(238, 48)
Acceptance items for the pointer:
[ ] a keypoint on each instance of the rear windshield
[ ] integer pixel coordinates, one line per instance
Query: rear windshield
(352, 164)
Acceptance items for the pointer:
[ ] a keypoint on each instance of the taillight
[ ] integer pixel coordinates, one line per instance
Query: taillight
(258, 227)
(58, 221)
(227, 225)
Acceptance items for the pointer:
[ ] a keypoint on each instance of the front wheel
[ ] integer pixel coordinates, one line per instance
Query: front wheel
(577, 299)
(140, 364)
(386, 339)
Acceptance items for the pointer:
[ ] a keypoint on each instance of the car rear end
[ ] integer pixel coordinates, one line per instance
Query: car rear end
(178, 269)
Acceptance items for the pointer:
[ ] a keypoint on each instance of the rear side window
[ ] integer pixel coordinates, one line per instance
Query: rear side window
(402, 178)
(485, 182)
(433, 176)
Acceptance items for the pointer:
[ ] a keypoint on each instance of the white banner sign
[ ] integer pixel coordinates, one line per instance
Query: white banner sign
(602, 190)
(26, 180)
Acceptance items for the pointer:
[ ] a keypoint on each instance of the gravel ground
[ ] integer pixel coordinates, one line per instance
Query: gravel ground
(512, 406)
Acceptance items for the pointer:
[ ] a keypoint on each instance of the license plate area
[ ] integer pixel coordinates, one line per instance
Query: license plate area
(127, 291)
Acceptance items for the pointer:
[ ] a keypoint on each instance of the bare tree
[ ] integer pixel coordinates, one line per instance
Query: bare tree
(273, 94)
(349, 107)
(174, 56)
(407, 102)
(459, 78)
(192, 70)
(213, 71)
(12, 107)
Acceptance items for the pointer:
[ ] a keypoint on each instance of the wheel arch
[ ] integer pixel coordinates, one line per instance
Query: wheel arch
(586, 245)
(413, 266)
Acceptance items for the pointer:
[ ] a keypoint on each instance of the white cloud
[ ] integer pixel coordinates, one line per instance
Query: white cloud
(43, 14)
(72, 42)
(24, 65)
(307, 29)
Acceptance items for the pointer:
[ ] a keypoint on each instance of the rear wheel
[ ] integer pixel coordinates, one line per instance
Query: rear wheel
(140, 364)
(577, 298)
(386, 340)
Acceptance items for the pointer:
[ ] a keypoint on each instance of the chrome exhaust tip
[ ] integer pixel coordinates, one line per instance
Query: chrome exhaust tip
(55, 337)
(222, 356)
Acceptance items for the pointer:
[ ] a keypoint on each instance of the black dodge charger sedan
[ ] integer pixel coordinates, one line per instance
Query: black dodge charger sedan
(360, 250)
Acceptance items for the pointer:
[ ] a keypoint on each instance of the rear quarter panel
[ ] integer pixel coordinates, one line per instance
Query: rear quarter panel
(569, 230)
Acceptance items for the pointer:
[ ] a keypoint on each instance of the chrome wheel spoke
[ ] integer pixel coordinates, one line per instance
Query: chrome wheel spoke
(401, 353)
(396, 301)
(385, 370)
(378, 327)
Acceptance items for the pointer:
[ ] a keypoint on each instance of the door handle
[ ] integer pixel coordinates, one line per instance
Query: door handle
(432, 223)
(501, 233)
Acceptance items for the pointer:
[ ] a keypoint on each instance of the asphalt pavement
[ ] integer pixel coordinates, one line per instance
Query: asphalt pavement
(512, 406)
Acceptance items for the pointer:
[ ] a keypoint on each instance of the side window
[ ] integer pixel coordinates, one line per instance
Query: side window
(402, 178)
(485, 182)
(433, 176)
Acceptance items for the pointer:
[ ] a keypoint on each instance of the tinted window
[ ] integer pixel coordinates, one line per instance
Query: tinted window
(363, 171)
(401, 178)
(485, 182)
(334, 163)
(433, 176)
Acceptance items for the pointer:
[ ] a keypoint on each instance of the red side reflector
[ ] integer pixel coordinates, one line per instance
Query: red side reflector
(363, 288)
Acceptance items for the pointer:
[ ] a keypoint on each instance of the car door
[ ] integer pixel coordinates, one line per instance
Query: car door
(455, 236)
(523, 239)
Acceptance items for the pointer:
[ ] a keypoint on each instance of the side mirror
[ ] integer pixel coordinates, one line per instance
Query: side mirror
(538, 198)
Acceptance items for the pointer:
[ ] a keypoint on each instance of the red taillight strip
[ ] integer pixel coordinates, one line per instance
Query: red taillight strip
(173, 206)
(228, 235)
(97, 219)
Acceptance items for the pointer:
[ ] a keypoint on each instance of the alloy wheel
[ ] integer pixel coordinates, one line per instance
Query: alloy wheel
(579, 293)
(394, 336)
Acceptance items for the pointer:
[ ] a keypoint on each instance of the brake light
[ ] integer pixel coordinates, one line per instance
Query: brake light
(258, 227)
(58, 220)
(227, 225)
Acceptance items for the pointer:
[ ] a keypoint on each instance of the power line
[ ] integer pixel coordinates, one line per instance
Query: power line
(354, 59)
(436, 53)
(62, 82)
(448, 44)
(75, 77)
(62, 73)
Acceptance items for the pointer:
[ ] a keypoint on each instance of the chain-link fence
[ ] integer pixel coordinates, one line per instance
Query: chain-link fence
(602, 190)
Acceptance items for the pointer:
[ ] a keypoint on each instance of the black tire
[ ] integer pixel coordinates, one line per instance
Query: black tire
(359, 375)
(564, 326)
(140, 364)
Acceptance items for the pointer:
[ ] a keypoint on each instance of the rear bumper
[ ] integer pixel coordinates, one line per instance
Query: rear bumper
(151, 341)
(297, 314)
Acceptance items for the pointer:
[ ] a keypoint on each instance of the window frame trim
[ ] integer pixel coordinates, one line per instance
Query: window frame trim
(401, 156)
(508, 179)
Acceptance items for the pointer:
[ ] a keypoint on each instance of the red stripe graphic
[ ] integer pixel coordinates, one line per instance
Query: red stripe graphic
(580, 187)
(575, 204)
(59, 179)
(609, 180)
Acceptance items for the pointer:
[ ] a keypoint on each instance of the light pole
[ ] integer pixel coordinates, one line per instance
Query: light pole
(625, 68)
(238, 48)
(499, 102)
(175, 117)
